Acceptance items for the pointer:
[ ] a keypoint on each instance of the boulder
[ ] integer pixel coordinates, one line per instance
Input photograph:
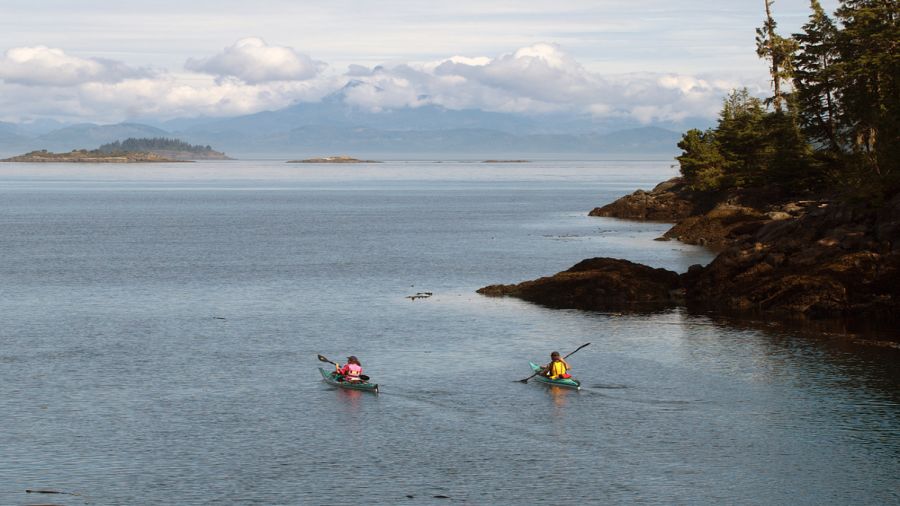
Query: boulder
(668, 201)
(827, 264)
(602, 284)
(718, 227)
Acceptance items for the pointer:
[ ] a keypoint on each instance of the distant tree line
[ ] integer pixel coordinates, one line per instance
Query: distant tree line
(833, 122)
(152, 144)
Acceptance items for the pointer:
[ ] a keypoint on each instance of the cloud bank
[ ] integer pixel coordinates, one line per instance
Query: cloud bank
(253, 61)
(44, 66)
(540, 78)
(251, 76)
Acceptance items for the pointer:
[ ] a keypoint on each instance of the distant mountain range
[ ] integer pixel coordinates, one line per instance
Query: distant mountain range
(77, 136)
(332, 127)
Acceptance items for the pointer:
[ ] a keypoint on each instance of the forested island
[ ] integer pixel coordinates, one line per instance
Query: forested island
(131, 150)
(799, 193)
(169, 148)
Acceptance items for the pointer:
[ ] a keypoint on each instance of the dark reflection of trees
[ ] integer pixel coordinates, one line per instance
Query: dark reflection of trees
(866, 352)
(878, 333)
(637, 309)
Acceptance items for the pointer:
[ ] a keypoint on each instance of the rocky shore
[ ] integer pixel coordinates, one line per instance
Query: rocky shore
(777, 257)
(84, 156)
(668, 201)
(607, 283)
(333, 159)
(189, 156)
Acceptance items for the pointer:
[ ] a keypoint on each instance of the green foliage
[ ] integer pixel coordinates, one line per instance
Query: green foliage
(749, 147)
(778, 51)
(152, 144)
(839, 130)
(742, 139)
(789, 161)
(702, 164)
(868, 75)
(815, 81)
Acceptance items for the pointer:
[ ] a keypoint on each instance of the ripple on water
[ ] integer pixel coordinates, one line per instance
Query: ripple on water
(121, 383)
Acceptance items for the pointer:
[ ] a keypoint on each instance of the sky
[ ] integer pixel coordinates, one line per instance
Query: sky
(645, 60)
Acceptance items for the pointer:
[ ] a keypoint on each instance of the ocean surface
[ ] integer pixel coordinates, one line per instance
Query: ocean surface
(160, 325)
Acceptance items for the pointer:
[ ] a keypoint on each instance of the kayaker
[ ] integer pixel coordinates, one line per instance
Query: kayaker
(557, 368)
(351, 370)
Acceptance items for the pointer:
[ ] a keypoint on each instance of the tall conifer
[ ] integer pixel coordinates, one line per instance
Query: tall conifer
(869, 78)
(814, 79)
(778, 51)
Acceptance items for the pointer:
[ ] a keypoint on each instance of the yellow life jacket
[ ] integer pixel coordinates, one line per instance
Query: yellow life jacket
(557, 369)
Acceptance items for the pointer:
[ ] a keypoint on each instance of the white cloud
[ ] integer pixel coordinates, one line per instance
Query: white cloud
(541, 72)
(251, 76)
(382, 89)
(537, 79)
(168, 97)
(253, 61)
(45, 66)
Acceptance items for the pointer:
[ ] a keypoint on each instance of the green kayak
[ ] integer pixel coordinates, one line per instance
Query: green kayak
(332, 379)
(565, 383)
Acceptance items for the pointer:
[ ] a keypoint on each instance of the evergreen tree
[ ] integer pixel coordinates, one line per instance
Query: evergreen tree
(741, 138)
(702, 164)
(846, 102)
(778, 51)
(816, 91)
(868, 70)
(152, 144)
(789, 160)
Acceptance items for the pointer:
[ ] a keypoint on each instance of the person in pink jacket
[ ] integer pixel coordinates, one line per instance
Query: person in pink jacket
(351, 370)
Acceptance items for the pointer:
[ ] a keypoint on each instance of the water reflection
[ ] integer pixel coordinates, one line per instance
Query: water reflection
(559, 397)
(349, 401)
(840, 356)
(158, 406)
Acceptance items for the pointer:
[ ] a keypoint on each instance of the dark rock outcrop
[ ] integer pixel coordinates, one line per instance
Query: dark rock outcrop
(606, 284)
(668, 201)
(810, 259)
(835, 261)
(718, 227)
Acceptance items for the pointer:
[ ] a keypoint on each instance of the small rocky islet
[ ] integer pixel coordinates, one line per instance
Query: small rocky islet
(785, 259)
(333, 159)
(93, 156)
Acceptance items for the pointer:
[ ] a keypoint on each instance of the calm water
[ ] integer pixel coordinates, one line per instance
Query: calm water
(160, 326)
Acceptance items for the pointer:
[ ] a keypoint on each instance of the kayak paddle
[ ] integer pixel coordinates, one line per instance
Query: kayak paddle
(567, 356)
(363, 377)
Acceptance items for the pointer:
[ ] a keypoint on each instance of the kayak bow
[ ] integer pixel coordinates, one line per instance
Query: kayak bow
(332, 379)
(562, 382)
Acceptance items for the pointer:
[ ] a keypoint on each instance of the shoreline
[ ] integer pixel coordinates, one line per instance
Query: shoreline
(788, 261)
(84, 156)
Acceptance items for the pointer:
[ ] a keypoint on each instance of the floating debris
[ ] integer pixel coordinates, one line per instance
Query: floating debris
(44, 491)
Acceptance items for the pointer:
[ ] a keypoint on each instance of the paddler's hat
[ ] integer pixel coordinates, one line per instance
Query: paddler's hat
(352, 358)
(554, 354)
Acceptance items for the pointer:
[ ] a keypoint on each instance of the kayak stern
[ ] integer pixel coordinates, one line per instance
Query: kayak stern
(365, 386)
(562, 382)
